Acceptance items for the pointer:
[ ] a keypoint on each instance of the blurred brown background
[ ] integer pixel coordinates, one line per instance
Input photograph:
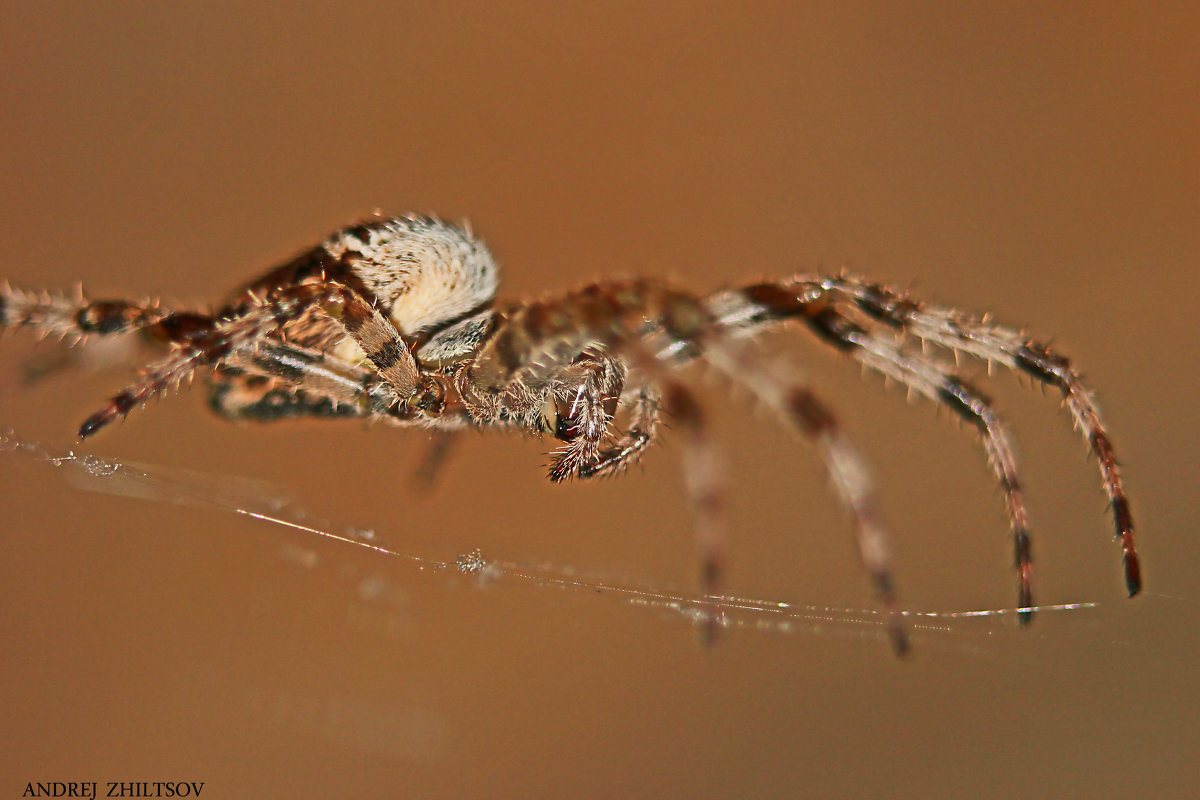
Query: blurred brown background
(1037, 161)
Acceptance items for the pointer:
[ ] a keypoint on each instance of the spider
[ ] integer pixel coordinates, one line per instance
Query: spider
(394, 319)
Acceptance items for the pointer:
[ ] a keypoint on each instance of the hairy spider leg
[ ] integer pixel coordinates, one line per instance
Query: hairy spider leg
(704, 482)
(72, 318)
(810, 301)
(939, 382)
(277, 381)
(236, 394)
(75, 317)
(992, 343)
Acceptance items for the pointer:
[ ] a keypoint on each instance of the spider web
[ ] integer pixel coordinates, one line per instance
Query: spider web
(960, 630)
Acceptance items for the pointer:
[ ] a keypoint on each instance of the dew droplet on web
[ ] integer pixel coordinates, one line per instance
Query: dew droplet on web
(472, 563)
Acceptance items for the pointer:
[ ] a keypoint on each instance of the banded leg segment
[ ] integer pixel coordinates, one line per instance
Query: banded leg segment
(703, 478)
(372, 332)
(783, 391)
(77, 317)
(976, 337)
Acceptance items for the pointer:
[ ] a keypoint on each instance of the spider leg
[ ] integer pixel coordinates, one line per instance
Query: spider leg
(204, 341)
(79, 318)
(703, 479)
(207, 347)
(374, 334)
(796, 402)
(938, 382)
(991, 343)
(292, 380)
(703, 474)
(56, 314)
(240, 395)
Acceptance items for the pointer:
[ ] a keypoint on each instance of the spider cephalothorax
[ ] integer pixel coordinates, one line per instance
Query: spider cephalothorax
(394, 319)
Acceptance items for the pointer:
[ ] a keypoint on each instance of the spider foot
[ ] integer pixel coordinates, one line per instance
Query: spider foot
(119, 406)
(1133, 566)
(1133, 572)
(893, 618)
(1024, 559)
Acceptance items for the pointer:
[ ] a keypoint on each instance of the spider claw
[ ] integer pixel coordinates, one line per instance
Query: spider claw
(118, 407)
(1025, 607)
(710, 575)
(1124, 524)
(1023, 557)
(94, 423)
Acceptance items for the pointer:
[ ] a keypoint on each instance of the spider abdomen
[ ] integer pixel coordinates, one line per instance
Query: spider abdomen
(423, 272)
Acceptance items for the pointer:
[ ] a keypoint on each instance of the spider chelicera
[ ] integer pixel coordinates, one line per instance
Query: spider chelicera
(395, 319)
